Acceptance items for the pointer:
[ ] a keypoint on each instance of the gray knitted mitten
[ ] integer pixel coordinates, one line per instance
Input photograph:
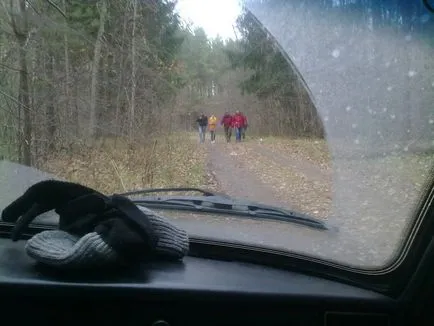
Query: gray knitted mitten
(64, 250)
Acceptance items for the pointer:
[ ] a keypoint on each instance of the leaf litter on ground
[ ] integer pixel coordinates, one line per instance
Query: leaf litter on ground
(171, 161)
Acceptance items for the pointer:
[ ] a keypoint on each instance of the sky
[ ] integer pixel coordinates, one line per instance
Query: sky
(216, 17)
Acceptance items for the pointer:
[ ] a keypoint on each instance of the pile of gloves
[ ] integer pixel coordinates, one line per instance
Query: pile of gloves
(94, 229)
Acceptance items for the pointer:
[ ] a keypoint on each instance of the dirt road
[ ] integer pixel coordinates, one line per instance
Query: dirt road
(257, 172)
(366, 201)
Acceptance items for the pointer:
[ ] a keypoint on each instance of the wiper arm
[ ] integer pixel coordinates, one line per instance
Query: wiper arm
(226, 205)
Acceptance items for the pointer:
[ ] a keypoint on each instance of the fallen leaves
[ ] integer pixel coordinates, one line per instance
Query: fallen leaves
(315, 151)
(300, 172)
(293, 183)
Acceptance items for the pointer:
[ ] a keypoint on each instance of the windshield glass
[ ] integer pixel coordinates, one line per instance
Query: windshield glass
(323, 108)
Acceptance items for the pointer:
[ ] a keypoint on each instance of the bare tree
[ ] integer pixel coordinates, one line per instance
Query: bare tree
(95, 67)
(20, 27)
(133, 70)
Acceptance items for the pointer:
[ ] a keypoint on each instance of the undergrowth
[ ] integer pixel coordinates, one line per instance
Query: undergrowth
(118, 166)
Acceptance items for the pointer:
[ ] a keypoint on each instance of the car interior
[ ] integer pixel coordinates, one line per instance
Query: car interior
(223, 284)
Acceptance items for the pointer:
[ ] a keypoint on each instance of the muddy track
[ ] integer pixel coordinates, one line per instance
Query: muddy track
(253, 171)
(227, 164)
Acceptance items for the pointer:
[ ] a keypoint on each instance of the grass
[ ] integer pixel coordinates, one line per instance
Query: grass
(116, 166)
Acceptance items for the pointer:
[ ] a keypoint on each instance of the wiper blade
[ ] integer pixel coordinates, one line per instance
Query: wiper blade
(291, 216)
(177, 189)
(227, 205)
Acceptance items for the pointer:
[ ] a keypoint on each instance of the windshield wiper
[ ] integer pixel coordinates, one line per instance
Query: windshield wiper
(177, 189)
(228, 205)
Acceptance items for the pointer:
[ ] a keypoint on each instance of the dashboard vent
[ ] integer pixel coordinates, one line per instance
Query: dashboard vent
(333, 318)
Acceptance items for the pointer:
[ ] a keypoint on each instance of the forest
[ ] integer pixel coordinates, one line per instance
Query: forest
(77, 72)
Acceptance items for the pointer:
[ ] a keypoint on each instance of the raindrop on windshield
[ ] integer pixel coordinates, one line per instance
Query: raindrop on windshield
(408, 38)
(425, 18)
(431, 121)
(348, 108)
(356, 141)
(336, 53)
(392, 116)
(384, 109)
(389, 88)
(354, 125)
(411, 73)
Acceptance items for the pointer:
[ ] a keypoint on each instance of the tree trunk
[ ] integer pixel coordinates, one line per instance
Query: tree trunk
(121, 78)
(51, 126)
(21, 33)
(133, 71)
(69, 113)
(95, 67)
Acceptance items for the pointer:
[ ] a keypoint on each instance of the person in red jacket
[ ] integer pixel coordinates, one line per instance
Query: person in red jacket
(238, 123)
(226, 122)
(245, 125)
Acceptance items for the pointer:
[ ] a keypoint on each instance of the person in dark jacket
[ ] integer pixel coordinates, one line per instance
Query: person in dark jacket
(226, 122)
(202, 122)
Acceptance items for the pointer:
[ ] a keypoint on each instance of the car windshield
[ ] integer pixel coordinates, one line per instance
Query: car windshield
(322, 108)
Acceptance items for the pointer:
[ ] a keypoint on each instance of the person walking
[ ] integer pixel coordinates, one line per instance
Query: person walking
(212, 125)
(226, 122)
(244, 127)
(202, 122)
(238, 122)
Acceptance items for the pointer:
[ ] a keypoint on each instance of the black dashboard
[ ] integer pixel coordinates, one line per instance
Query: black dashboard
(192, 292)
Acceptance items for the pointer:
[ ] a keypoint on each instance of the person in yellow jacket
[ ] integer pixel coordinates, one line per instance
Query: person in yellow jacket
(212, 125)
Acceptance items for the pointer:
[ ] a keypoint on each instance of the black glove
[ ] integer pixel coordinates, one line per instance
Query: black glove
(114, 228)
(119, 222)
(40, 198)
